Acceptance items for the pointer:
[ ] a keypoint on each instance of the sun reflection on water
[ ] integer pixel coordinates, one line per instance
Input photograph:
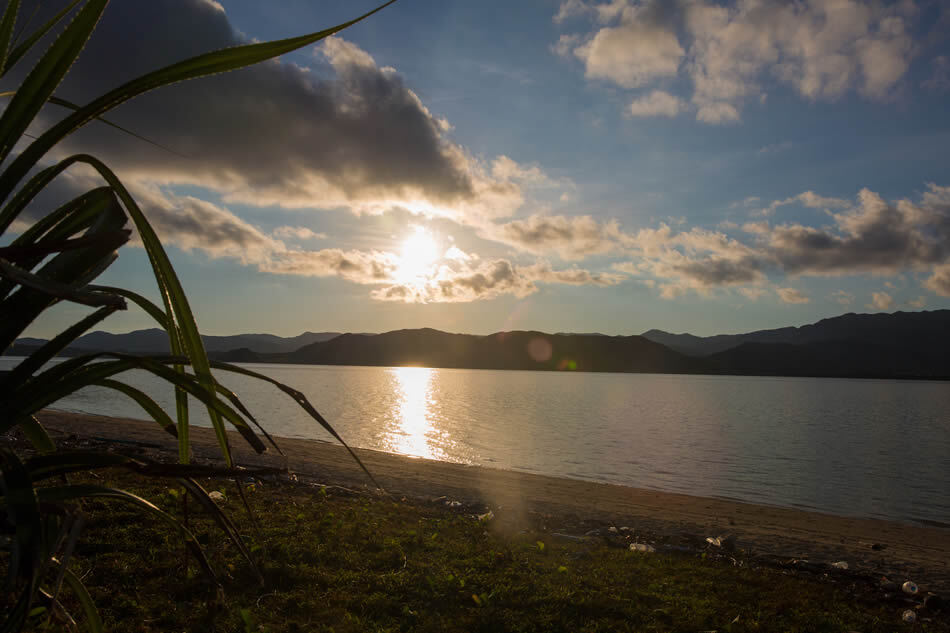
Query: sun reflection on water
(414, 432)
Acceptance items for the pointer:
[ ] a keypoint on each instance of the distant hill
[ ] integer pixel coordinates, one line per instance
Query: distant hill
(845, 358)
(503, 350)
(898, 345)
(155, 341)
(908, 330)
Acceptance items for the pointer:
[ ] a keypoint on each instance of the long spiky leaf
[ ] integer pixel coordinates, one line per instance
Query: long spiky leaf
(24, 46)
(7, 23)
(49, 71)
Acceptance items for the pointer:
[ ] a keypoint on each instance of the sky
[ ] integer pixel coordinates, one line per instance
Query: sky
(584, 166)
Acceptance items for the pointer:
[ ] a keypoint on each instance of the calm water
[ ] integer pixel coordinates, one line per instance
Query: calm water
(874, 448)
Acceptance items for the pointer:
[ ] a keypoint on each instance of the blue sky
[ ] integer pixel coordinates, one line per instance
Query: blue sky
(561, 166)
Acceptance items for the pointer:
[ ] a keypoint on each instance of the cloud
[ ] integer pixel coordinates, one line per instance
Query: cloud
(657, 103)
(488, 280)
(880, 301)
(344, 134)
(918, 303)
(643, 47)
(571, 237)
(570, 8)
(752, 292)
(791, 295)
(939, 281)
(843, 297)
(298, 232)
(875, 236)
(193, 225)
(808, 199)
(868, 236)
(822, 50)
(697, 260)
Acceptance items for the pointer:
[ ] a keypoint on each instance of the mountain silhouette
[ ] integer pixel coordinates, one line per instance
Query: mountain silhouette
(898, 345)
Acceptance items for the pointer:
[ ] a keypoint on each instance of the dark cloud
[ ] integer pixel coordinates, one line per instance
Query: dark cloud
(275, 133)
(715, 271)
(875, 236)
(571, 237)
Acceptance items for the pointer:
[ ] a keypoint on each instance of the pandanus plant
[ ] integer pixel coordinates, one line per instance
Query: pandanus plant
(57, 258)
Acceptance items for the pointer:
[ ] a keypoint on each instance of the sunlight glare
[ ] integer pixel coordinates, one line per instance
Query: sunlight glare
(419, 252)
(414, 415)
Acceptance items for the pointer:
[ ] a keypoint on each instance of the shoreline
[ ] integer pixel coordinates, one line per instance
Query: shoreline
(224, 357)
(921, 553)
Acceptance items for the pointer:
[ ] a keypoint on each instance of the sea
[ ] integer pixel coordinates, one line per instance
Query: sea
(862, 448)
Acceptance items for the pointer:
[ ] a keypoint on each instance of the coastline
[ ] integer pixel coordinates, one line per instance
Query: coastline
(920, 553)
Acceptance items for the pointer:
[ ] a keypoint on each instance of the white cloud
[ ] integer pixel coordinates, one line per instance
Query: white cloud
(821, 49)
(641, 48)
(298, 232)
(843, 297)
(880, 301)
(791, 295)
(657, 103)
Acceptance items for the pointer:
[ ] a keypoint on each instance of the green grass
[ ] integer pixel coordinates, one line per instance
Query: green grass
(354, 563)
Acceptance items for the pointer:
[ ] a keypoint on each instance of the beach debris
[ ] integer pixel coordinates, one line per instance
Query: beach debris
(910, 588)
(726, 541)
(642, 547)
(488, 516)
(909, 616)
(841, 564)
(215, 495)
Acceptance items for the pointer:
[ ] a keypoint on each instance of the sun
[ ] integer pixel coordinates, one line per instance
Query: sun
(419, 252)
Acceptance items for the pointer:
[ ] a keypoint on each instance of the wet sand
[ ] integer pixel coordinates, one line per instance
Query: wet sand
(909, 551)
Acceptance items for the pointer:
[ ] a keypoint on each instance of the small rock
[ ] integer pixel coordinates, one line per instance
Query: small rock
(626, 529)
(454, 504)
(909, 587)
(934, 602)
(840, 564)
(214, 495)
(642, 547)
(612, 530)
(909, 616)
(726, 542)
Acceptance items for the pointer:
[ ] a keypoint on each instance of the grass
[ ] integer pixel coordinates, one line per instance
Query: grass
(336, 562)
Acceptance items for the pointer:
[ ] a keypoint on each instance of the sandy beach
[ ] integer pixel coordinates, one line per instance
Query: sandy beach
(900, 550)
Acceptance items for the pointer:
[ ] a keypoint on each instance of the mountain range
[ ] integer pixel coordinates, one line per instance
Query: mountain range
(155, 341)
(898, 345)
